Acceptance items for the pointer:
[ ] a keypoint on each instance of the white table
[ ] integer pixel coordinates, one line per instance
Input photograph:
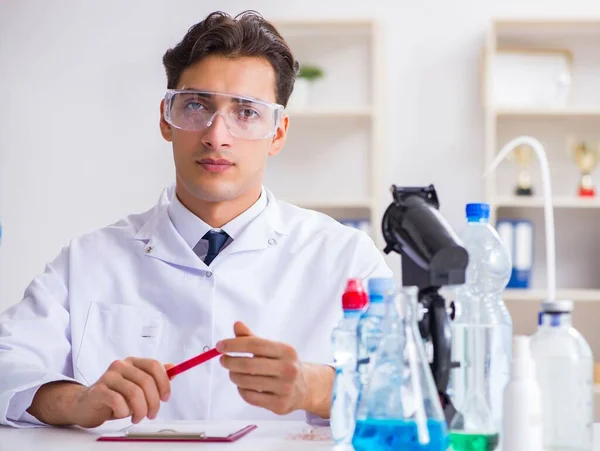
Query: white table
(270, 436)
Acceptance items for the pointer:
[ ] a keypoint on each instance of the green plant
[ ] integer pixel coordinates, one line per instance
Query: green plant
(309, 72)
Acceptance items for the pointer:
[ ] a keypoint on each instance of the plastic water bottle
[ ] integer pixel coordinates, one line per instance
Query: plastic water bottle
(482, 329)
(343, 341)
(371, 327)
(564, 368)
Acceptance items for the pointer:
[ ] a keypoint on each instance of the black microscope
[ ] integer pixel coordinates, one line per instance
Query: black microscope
(432, 257)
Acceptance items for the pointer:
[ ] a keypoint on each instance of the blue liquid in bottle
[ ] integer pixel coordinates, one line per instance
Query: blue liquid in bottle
(398, 435)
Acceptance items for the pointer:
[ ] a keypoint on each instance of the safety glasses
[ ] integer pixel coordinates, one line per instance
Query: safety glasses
(244, 117)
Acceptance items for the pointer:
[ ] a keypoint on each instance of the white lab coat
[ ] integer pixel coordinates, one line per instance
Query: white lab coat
(136, 288)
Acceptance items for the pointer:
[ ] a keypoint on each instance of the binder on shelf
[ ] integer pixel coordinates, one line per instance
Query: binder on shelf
(517, 235)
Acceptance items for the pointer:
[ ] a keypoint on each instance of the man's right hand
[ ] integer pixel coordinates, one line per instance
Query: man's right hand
(131, 387)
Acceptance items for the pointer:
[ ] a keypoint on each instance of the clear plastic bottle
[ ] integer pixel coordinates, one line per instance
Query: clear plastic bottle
(482, 329)
(343, 341)
(400, 408)
(371, 326)
(564, 368)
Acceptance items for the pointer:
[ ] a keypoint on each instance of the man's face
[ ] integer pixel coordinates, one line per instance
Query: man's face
(213, 165)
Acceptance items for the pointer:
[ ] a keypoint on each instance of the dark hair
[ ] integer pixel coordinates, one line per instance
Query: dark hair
(246, 35)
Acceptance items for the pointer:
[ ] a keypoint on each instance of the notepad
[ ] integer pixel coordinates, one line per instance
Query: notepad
(182, 431)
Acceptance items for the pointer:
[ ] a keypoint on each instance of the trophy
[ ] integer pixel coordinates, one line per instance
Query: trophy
(586, 157)
(523, 156)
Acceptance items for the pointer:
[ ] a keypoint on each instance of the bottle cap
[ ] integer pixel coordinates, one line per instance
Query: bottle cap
(354, 297)
(476, 212)
(564, 306)
(380, 287)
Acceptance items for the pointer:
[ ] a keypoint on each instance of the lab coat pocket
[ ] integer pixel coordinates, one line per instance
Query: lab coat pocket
(115, 332)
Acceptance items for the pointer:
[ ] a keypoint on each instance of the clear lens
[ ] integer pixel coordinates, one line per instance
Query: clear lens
(245, 118)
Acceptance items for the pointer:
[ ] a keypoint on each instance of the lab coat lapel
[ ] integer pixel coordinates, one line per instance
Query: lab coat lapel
(161, 240)
(263, 232)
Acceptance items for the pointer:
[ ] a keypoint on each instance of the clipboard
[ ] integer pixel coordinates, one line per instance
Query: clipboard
(178, 432)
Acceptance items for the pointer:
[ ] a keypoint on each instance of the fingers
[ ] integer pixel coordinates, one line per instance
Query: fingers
(149, 390)
(140, 383)
(274, 403)
(133, 394)
(158, 373)
(258, 366)
(262, 384)
(257, 347)
(271, 378)
(113, 401)
(241, 330)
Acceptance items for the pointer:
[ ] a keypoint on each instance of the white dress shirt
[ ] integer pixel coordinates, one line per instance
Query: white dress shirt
(192, 229)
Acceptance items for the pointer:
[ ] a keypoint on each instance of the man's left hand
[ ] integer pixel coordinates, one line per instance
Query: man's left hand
(274, 378)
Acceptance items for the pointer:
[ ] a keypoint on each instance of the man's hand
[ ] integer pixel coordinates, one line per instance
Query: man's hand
(274, 378)
(131, 387)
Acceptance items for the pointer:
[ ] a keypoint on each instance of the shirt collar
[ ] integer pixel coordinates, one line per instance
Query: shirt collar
(192, 228)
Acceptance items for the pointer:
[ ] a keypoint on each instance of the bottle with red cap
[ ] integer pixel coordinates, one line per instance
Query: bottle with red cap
(343, 340)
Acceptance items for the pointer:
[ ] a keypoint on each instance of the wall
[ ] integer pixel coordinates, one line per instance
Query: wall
(80, 85)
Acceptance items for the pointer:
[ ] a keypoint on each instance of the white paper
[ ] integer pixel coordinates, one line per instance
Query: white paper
(184, 427)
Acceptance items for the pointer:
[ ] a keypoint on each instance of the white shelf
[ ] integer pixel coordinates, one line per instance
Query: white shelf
(331, 204)
(334, 113)
(501, 22)
(538, 202)
(354, 129)
(548, 112)
(552, 126)
(539, 294)
(547, 26)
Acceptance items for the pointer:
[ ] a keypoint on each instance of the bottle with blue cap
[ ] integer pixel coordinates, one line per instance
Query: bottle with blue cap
(482, 336)
(565, 372)
(372, 325)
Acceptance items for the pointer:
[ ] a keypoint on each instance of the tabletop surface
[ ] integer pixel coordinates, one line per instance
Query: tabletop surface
(269, 436)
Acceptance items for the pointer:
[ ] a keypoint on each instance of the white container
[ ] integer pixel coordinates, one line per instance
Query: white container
(565, 371)
(522, 425)
(530, 79)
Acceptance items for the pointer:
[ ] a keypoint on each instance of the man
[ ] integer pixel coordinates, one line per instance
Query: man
(89, 341)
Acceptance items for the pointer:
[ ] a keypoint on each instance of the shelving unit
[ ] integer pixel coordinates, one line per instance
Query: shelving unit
(576, 219)
(538, 295)
(548, 112)
(552, 124)
(538, 202)
(331, 161)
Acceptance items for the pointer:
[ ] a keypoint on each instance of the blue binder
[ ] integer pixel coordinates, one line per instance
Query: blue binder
(517, 235)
